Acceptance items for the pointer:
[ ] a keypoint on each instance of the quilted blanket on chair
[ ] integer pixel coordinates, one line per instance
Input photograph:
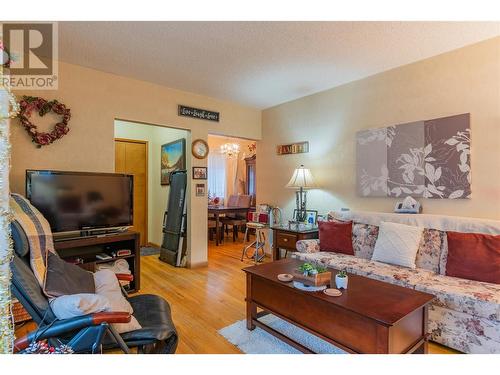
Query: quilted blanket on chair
(55, 276)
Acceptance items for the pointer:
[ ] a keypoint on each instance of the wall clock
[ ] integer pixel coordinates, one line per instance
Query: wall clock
(199, 149)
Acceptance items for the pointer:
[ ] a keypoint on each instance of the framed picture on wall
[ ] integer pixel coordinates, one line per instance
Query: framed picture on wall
(199, 173)
(173, 158)
(200, 190)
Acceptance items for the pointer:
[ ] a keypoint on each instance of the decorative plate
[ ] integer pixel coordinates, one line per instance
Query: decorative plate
(285, 277)
(307, 288)
(332, 292)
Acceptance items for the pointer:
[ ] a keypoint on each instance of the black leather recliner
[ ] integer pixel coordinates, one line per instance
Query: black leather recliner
(90, 333)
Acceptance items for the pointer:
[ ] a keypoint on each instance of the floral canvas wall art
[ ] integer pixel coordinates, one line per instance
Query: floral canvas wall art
(428, 159)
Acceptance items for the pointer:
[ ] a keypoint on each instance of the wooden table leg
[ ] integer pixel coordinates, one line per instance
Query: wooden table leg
(422, 349)
(251, 306)
(425, 346)
(276, 249)
(217, 234)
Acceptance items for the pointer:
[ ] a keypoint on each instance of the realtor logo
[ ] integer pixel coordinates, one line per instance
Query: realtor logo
(32, 54)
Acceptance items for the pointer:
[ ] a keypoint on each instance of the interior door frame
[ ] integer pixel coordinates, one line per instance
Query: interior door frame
(146, 143)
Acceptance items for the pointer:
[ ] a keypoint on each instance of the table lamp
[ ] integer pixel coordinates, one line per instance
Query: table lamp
(301, 180)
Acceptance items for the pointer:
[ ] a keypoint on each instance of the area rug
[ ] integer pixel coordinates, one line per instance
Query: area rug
(149, 250)
(259, 341)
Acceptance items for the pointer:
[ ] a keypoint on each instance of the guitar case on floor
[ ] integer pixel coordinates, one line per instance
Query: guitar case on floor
(173, 246)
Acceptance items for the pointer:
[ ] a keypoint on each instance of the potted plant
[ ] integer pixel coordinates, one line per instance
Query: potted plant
(341, 279)
(313, 275)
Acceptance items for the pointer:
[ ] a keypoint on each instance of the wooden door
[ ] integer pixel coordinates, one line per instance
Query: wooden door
(131, 157)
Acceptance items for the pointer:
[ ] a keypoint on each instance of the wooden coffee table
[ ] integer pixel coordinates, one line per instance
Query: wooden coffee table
(370, 317)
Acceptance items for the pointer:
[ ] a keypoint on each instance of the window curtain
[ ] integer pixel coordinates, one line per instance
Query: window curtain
(231, 175)
(226, 175)
(216, 175)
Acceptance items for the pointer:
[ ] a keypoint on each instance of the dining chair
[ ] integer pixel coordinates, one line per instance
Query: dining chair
(211, 230)
(237, 220)
(244, 201)
(232, 201)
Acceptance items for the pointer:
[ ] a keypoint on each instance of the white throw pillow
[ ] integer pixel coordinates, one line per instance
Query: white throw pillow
(71, 305)
(107, 285)
(397, 244)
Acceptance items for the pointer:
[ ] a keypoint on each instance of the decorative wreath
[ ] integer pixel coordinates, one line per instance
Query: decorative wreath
(31, 103)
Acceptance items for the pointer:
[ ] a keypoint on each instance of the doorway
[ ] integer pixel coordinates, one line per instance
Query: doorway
(139, 151)
(231, 167)
(232, 194)
(131, 157)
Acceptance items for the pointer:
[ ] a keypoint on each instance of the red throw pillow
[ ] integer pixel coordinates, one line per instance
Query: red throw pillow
(336, 236)
(474, 256)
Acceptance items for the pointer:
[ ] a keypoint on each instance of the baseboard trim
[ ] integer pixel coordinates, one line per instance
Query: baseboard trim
(152, 244)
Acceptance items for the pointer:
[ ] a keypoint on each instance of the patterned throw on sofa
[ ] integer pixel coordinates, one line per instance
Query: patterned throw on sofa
(465, 315)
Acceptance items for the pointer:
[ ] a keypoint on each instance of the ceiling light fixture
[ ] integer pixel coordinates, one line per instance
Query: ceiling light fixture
(230, 149)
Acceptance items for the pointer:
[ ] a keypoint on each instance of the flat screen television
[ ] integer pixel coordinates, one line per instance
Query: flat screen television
(76, 201)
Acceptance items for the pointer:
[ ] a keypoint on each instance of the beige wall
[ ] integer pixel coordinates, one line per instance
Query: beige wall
(96, 99)
(157, 193)
(464, 80)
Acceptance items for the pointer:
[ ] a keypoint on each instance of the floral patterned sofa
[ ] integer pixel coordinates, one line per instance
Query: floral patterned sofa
(465, 315)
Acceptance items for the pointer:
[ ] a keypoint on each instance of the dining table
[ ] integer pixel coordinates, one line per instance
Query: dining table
(223, 210)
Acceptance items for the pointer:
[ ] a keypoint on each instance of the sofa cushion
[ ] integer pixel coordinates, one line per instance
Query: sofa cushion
(467, 296)
(429, 250)
(474, 256)
(397, 244)
(335, 236)
(393, 274)
(307, 246)
(364, 237)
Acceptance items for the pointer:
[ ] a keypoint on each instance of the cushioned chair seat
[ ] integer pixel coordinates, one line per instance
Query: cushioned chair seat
(153, 314)
(255, 225)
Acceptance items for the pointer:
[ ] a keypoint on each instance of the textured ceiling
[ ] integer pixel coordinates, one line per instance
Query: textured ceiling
(259, 64)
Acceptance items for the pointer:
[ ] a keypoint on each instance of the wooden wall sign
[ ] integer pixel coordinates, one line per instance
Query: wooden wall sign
(198, 113)
(293, 148)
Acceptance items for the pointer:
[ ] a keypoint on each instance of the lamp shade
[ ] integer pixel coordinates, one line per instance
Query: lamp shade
(301, 178)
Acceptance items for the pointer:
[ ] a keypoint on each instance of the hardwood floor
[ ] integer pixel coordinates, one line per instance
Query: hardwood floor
(207, 299)
(204, 300)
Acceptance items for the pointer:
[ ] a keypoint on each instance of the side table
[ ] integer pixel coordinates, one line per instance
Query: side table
(286, 236)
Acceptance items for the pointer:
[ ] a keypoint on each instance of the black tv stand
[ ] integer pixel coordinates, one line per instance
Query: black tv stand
(85, 249)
